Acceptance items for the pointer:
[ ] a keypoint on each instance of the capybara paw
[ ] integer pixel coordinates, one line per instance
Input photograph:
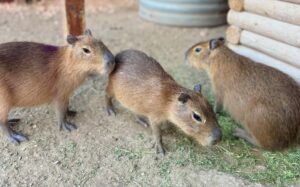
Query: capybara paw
(239, 132)
(71, 113)
(160, 149)
(68, 127)
(142, 121)
(14, 121)
(111, 111)
(216, 110)
(16, 137)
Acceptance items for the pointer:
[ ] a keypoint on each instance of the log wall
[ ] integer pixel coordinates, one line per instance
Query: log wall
(267, 31)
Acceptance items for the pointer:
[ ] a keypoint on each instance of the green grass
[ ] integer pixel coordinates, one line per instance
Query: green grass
(232, 156)
(237, 157)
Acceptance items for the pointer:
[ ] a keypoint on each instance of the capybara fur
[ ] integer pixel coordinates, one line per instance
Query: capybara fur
(140, 84)
(265, 101)
(33, 74)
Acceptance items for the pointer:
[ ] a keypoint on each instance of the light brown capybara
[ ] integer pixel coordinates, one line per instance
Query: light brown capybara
(33, 74)
(140, 84)
(265, 101)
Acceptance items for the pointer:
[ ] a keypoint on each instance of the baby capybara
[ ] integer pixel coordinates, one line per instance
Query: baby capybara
(140, 84)
(265, 101)
(33, 74)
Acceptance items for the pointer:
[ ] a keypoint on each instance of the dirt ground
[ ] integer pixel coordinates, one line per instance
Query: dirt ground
(103, 151)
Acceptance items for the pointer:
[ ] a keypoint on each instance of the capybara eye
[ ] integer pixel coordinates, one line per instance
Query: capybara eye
(198, 50)
(86, 50)
(197, 117)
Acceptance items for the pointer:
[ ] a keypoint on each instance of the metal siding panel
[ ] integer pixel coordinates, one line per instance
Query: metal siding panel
(184, 12)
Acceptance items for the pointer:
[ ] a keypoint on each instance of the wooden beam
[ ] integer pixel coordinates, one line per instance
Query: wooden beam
(292, 1)
(281, 51)
(75, 16)
(267, 60)
(278, 30)
(280, 10)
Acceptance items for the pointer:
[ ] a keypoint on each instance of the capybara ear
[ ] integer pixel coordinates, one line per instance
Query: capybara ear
(197, 88)
(71, 39)
(214, 43)
(88, 32)
(184, 97)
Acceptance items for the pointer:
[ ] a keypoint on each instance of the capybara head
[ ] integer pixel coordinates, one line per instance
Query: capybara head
(91, 54)
(195, 116)
(199, 53)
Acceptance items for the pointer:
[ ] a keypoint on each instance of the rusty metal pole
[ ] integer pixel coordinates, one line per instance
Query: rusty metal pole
(75, 16)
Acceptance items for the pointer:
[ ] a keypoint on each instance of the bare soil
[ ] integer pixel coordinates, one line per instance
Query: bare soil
(103, 151)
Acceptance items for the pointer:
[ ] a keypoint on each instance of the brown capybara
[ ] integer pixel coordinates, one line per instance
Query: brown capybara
(33, 74)
(140, 84)
(265, 101)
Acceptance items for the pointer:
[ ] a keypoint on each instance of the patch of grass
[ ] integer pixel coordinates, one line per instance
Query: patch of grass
(68, 152)
(89, 175)
(130, 154)
(237, 157)
(165, 167)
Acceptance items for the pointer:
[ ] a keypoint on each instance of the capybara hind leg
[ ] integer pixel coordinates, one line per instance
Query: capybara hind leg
(61, 109)
(14, 121)
(71, 113)
(142, 120)
(110, 109)
(156, 131)
(241, 133)
(218, 105)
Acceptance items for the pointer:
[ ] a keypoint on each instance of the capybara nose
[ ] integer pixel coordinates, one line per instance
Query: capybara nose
(217, 135)
(109, 57)
(109, 61)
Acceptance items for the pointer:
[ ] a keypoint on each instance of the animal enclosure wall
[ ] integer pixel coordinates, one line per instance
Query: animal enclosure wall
(267, 31)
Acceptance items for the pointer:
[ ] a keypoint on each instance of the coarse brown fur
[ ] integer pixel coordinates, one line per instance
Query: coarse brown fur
(33, 74)
(265, 101)
(140, 84)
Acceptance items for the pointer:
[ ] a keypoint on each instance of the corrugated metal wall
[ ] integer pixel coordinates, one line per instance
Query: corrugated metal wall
(184, 12)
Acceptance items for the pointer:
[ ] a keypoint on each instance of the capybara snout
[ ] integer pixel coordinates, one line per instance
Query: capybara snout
(196, 118)
(109, 61)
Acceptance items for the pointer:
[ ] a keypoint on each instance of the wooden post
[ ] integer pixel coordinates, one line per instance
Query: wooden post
(75, 16)
(233, 34)
(237, 5)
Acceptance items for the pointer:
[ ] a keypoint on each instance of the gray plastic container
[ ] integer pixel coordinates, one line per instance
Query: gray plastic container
(192, 13)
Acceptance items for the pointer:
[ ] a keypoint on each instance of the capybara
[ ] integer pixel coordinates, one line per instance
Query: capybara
(265, 101)
(33, 74)
(140, 84)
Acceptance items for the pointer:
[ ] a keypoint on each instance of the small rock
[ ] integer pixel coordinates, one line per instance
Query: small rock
(57, 162)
